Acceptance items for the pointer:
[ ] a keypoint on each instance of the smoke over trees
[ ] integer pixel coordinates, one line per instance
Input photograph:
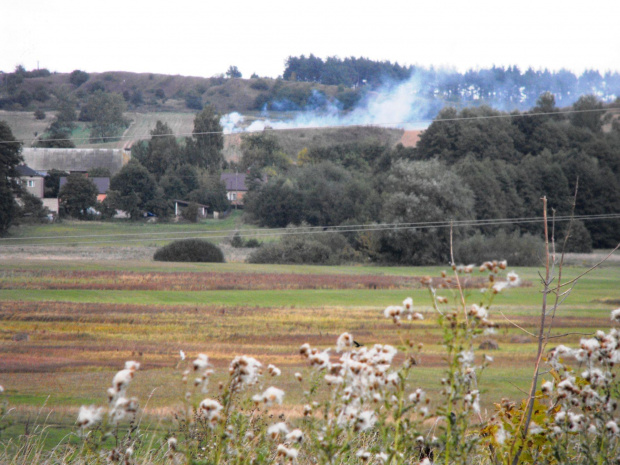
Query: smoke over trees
(499, 87)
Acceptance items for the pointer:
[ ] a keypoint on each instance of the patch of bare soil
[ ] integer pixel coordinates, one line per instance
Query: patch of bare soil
(410, 138)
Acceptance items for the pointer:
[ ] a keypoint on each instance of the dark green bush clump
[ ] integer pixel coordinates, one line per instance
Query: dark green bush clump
(518, 250)
(190, 250)
(253, 243)
(237, 241)
(308, 249)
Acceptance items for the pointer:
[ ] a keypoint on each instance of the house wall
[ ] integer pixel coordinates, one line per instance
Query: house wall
(33, 185)
(235, 197)
(51, 204)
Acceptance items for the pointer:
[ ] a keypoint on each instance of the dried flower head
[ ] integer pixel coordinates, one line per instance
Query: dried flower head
(210, 410)
(89, 416)
(513, 279)
(277, 429)
(273, 370)
(365, 420)
(286, 452)
(478, 312)
(271, 396)
(244, 370)
(295, 436)
(122, 379)
(345, 340)
(201, 362)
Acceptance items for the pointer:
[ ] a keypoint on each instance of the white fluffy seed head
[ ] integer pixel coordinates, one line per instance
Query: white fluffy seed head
(273, 370)
(89, 416)
(277, 429)
(345, 340)
(132, 366)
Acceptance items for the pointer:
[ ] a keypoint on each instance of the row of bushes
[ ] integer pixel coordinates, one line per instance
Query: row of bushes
(310, 247)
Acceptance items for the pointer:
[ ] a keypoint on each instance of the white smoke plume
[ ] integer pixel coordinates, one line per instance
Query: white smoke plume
(397, 106)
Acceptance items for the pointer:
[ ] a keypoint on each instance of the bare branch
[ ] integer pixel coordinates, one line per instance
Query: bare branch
(517, 388)
(570, 334)
(456, 274)
(516, 325)
(593, 267)
(526, 418)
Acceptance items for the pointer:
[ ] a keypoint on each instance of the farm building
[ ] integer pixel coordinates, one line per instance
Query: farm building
(180, 205)
(235, 187)
(75, 160)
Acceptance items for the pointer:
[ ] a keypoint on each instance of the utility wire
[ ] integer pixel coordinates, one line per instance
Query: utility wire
(299, 231)
(328, 229)
(393, 124)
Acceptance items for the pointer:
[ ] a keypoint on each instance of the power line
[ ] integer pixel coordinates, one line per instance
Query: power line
(388, 125)
(328, 230)
(336, 228)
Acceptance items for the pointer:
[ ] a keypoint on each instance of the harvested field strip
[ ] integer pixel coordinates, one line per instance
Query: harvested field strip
(127, 280)
(517, 301)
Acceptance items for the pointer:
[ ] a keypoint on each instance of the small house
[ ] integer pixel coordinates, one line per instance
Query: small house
(235, 187)
(31, 181)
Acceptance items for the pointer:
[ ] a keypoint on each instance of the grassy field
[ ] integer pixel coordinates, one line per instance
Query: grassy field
(122, 233)
(67, 326)
(24, 125)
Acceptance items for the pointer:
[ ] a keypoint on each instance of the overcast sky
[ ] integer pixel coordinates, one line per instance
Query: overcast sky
(203, 38)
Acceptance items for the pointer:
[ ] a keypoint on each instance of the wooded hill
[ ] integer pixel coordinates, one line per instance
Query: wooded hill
(31, 90)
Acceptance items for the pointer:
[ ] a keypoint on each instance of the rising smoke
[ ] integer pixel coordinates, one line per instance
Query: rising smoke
(392, 105)
(413, 103)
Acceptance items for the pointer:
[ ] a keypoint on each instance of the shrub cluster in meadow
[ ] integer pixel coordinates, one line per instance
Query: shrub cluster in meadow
(362, 404)
(189, 250)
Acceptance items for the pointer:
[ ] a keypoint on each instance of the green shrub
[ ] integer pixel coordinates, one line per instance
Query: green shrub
(253, 243)
(190, 213)
(237, 241)
(303, 248)
(519, 250)
(190, 250)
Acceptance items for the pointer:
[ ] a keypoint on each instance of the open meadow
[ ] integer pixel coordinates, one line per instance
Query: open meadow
(68, 325)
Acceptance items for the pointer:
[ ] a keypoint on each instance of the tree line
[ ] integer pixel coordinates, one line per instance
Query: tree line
(472, 164)
(498, 86)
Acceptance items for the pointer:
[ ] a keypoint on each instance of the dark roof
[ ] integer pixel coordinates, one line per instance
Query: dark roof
(234, 181)
(187, 202)
(103, 184)
(25, 170)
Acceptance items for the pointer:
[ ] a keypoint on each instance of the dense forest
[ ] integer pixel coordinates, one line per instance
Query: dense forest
(477, 163)
(500, 87)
